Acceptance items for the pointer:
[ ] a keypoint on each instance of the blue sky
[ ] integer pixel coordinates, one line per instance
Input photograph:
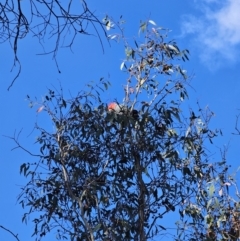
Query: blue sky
(210, 29)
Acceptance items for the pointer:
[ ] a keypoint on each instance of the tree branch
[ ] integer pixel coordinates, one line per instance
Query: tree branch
(9, 231)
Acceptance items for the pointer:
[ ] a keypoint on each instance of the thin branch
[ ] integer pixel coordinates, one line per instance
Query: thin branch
(47, 19)
(15, 139)
(236, 126)
(14, 235)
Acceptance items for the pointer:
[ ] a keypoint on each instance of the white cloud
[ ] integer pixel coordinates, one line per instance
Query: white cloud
(216, 31)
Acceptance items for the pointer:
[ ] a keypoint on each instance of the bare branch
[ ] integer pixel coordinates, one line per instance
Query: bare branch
(236, 126)
(9, 231)
(47, 20)
(15, 140)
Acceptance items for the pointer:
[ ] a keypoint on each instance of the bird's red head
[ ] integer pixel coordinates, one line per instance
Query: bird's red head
(112, 106)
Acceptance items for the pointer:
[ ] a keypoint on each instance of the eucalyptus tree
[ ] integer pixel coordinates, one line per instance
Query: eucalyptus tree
(104, 174)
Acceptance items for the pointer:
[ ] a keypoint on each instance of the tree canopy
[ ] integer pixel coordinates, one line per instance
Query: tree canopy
(115, 175)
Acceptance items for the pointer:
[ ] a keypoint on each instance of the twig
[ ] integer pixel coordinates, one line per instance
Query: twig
(236, 126)
(14, 235)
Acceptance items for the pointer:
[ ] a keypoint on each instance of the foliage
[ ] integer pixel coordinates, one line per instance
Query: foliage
(61, 22)
(103, 175)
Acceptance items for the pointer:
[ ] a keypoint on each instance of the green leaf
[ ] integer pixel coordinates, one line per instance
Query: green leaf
(64, 103)
(186, 56)
(106, 86)
(143, 27)
(22, 167)
(162, 227)
(186, 170)
(181, 96)
(122, 65)
(155, 194)
(136, 43)
(209, 203)
(211, 190)
(97, 227)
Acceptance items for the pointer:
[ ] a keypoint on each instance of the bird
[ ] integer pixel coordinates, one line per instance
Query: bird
(122, 109)
(113, 106)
